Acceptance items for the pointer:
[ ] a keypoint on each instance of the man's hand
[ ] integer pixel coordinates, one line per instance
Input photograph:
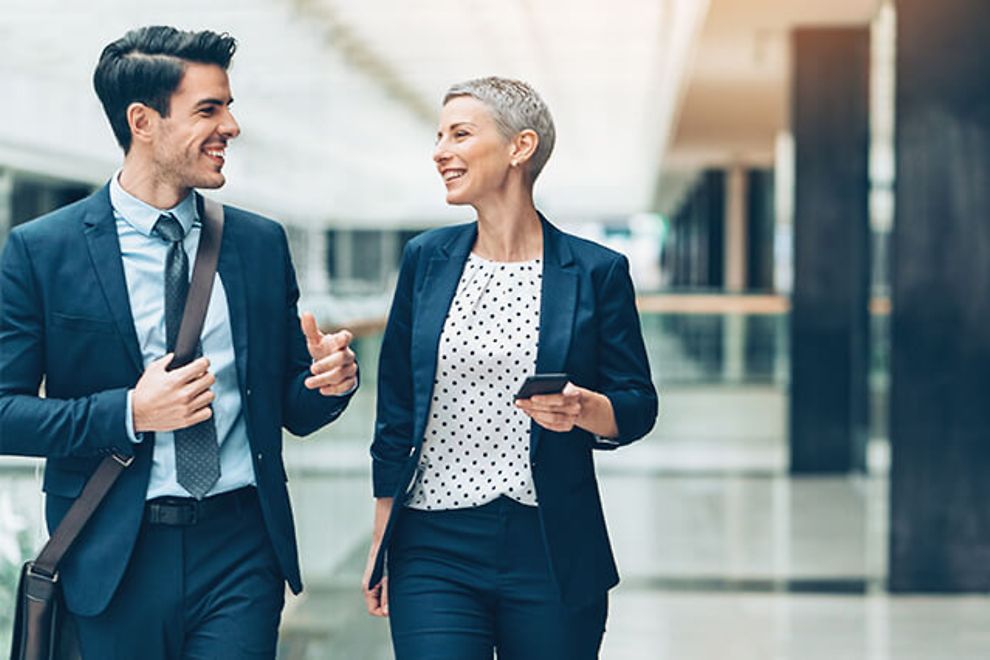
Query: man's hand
(334, 368)
(169, 400)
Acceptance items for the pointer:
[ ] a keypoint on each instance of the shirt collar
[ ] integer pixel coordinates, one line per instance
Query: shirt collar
(142, 216)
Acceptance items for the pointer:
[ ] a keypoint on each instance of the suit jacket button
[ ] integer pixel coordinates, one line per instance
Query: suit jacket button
(259, 456)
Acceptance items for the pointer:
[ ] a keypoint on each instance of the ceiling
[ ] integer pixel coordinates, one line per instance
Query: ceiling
(337, 99)
(735, 100)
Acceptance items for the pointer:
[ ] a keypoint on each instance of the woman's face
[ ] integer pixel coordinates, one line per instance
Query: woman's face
(471, 155)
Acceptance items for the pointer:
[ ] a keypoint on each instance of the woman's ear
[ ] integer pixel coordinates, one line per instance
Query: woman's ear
(524, 146)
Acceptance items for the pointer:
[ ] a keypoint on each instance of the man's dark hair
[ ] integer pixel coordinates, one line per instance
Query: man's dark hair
(146, 66)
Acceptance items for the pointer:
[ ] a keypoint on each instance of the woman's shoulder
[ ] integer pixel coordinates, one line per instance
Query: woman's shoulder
(589, 253)
(438, 236)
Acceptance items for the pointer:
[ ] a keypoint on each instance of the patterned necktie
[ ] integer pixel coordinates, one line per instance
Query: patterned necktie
(197, 455)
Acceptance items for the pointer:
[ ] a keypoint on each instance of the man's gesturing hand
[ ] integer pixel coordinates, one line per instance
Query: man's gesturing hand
(169, 400)
(334, 368)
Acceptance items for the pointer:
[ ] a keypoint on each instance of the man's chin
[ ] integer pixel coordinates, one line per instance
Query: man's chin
(211, 182)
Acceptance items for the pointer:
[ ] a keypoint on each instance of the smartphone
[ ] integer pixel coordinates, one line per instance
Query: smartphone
(542, 384)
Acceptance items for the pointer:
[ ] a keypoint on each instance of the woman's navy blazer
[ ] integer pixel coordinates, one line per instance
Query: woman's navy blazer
(589, 328)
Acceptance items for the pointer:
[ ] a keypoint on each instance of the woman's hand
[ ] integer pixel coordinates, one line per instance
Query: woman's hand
(376, 598)
(574, 406)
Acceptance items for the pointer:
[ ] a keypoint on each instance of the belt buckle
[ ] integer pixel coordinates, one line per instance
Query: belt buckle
(191, 511)
(176, 514)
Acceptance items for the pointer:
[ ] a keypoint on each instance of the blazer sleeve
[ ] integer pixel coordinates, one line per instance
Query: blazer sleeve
(304, 410)
(31, 425)
(624, 371)
(393, 442)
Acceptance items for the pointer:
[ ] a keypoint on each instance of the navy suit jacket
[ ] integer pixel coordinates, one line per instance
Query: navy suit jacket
(589, 328)
(65, 318)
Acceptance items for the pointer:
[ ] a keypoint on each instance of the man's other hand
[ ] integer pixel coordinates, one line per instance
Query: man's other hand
(334, 368)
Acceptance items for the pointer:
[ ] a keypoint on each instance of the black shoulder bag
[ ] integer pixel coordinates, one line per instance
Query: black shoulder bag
(42, 631)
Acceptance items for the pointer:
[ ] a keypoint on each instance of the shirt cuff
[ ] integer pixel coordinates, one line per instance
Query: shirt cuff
(136, 438)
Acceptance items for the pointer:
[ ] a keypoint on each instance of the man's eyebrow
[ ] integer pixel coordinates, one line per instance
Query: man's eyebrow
(213, 101)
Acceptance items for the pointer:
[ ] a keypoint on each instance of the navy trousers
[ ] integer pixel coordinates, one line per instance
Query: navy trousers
(209, 589)
(466, 582)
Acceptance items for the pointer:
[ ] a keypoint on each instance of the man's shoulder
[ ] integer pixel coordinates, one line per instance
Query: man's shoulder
(249, 221)
(54, 224)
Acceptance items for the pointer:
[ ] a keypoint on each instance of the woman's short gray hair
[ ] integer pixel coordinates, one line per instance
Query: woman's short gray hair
(515, 107)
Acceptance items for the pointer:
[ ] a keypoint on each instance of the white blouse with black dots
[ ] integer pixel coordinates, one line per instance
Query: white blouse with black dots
(476, 444)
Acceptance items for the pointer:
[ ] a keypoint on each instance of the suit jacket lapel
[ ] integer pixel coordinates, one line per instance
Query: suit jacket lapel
(231, 274)
(443, 272)
(558, 301)
(100, 230)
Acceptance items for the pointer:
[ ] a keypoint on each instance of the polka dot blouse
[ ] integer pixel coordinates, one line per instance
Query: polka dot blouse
(476, 444)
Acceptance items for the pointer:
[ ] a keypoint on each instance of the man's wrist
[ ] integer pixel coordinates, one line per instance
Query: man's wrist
(135, 436)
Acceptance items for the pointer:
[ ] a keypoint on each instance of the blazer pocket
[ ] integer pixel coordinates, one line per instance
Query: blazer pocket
(81, 323)
(63, 483)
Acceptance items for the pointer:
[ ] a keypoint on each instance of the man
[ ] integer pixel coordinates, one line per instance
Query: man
(188, 554)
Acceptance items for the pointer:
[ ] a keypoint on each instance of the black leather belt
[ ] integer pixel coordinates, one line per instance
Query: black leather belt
(185, 511)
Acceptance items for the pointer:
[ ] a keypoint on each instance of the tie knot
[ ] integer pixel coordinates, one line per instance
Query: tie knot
(169, 228)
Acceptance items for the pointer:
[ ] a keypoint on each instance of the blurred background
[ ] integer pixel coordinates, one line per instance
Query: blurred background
(818, 483)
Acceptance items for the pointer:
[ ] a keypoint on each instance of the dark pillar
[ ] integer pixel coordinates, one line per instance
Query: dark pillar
(940, 331)
(759, 230)
(829, 320)
(714, 222)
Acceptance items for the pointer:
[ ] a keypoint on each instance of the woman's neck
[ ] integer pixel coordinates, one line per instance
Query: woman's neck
(509, 230)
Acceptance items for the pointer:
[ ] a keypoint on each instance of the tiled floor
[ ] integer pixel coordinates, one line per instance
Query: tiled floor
(722, 555)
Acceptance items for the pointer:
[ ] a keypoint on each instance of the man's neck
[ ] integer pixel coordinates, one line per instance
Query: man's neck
(139, 179)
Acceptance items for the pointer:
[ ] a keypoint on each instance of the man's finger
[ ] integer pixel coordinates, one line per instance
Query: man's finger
(339, 340)
(335, 360)
(310, 329)
(195, 369)
(331, 378)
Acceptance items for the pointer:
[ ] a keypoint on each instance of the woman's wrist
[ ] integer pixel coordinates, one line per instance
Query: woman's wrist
(597, 415)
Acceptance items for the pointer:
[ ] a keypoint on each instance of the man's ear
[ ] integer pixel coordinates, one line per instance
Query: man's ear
(524, 146)
(142, 121)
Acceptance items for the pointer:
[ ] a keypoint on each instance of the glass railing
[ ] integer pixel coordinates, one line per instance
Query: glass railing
(723, 377)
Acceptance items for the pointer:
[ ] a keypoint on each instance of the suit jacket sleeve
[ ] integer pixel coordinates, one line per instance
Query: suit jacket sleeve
(29, 424)
(393, 439)
(624, 371)
(304, 410)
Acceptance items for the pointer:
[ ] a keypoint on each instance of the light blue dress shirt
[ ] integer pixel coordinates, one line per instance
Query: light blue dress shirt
(144, 269)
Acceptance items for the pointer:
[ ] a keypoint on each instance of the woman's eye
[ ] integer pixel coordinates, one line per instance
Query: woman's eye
(460, 134)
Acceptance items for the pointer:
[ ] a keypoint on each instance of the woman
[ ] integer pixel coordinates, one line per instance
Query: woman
(488, 508)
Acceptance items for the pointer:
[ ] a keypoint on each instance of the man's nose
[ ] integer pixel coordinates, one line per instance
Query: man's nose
(230, 127)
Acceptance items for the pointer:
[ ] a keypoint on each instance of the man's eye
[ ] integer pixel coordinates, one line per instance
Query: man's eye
(206, 112)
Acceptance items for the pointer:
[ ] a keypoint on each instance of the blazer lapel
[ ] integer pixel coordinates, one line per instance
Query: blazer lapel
(100, 230)
(231, 273)
(443, 272)
(558, 301)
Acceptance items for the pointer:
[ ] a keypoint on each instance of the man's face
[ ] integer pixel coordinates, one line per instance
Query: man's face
(190, 144)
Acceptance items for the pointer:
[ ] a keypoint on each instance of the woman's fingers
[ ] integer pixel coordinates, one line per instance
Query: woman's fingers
(376, 598)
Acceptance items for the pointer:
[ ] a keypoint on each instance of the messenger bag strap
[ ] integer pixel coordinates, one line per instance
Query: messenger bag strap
(186, 349)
